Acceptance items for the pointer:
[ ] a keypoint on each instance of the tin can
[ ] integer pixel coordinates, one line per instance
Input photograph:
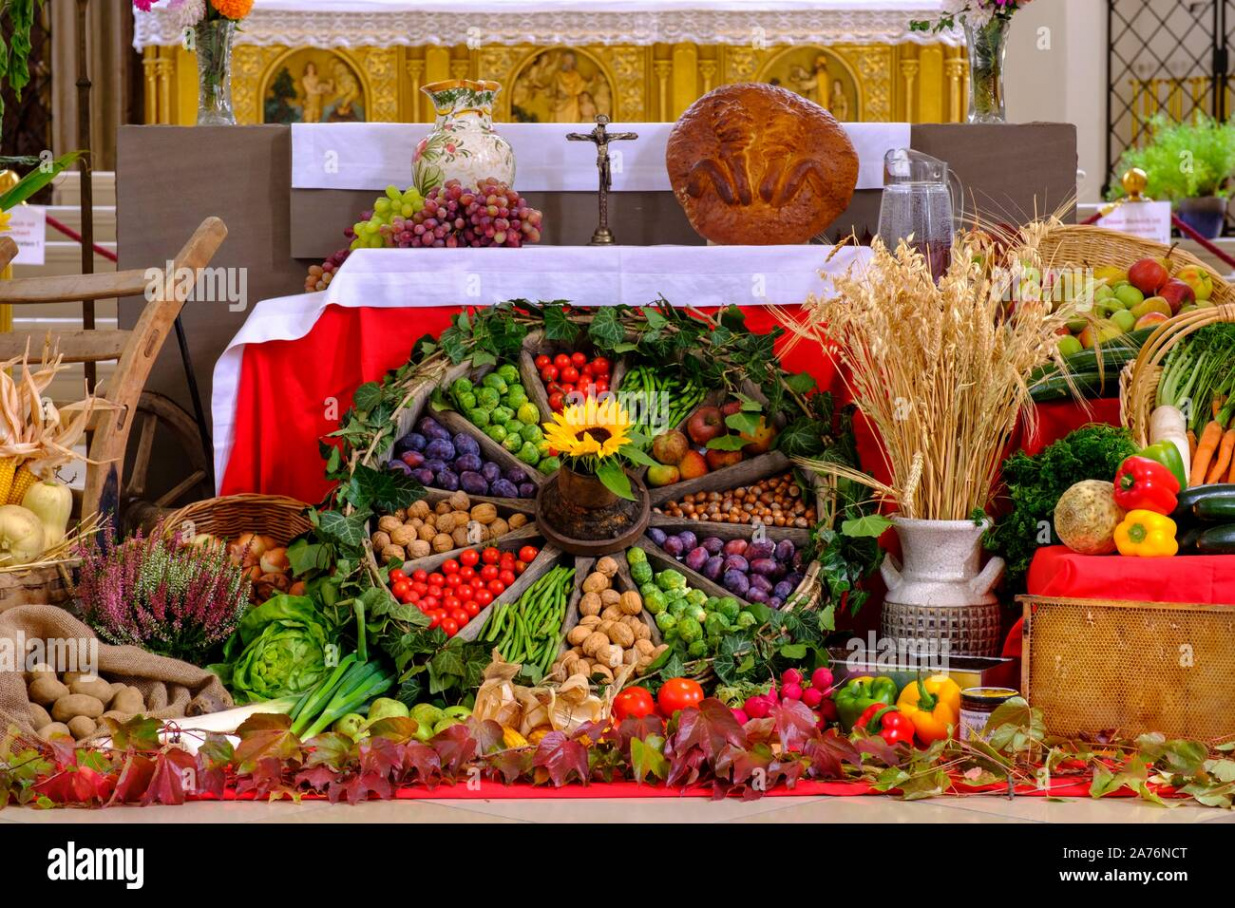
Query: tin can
(977, 704)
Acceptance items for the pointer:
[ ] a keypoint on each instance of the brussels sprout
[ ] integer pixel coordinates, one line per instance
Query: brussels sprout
(529, 413)
(508, 373)
(729, 607)
(654, 602)
(496, 382)
(635, 555)
(647, 589)
(715, 623)
(746, 619)
(641, 572)
(461, 386)
(479, 417)
(698, 612)
(532, 433)
(697, 649)
(466, 401)
(514, 426)
(696, 597)
(512, 442)
(528, 453)
(549, 464)
(666, 622)
(676, 607)
(689, 629)
(501, 415)
(487, 398)
(671, 580)
(516, 398)
(497, 433)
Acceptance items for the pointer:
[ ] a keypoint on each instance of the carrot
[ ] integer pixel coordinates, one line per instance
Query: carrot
(1218, 470)
(1215, 404)
(1191, 440)
(1204, 452)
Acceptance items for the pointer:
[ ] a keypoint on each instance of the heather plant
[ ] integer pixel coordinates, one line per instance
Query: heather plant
(168, 598)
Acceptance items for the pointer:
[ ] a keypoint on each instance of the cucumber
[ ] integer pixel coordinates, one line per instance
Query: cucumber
(1188, 538)
(1216, 509)
(1217, 541)
(1089, 384)
(1190, 499)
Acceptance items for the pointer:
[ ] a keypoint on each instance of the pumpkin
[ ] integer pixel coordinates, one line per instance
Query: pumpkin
(21, 536)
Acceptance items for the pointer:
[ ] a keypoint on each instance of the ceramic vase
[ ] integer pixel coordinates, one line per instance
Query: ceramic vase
(463, 144)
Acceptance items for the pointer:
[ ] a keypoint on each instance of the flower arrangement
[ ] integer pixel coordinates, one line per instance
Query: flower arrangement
(595, 438)
(976, 13)
(1207, 145)
(168, 598)
(189, 13)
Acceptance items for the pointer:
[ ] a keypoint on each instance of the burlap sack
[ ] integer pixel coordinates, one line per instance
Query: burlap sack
(172, 688)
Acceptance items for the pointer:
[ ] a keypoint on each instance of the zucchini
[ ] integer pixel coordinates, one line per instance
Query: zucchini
(1188, 538)
(1089, 384)
(1216, 509)
(1218, 500)
(1217, 541)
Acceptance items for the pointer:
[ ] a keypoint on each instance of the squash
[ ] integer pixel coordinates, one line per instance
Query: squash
(21, 536)
(52, 503)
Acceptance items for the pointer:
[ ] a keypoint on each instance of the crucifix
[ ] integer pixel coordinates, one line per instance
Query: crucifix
(601, 139)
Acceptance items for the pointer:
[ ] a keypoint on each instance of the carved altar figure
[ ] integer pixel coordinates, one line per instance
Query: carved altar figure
(315, 90)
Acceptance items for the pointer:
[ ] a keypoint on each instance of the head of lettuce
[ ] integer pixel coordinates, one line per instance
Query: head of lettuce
(280, 649)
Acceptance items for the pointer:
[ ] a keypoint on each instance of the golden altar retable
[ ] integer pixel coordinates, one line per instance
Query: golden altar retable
(320, 69)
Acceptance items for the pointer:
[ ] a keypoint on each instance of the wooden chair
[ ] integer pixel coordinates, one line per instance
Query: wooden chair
(134, 351)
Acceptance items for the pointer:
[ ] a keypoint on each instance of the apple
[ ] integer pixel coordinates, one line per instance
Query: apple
(1152, 304)
(718, 460)
(706, 424)
(669, 447)
(1127, 296)
(1124, 319)
(761, 441)
(1112, 274)
(692, 465)
(1149, 320)
(1177, 293)
(1076, 325)
(732, 408)
(1069, 345)
(1099, 333)
(661, 474)
(1148, 276)
(1200, 280)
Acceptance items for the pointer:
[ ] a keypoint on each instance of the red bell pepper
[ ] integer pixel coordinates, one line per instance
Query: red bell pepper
(888, 722)
(1142, 484)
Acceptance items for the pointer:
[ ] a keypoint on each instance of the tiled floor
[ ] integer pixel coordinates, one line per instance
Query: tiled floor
(658, 810)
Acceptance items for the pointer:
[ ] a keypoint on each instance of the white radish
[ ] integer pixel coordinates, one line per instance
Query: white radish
(1167, 423)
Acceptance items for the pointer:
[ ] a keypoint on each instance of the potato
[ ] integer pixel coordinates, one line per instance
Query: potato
(419, 549)
(595, 582)
(380, 540)
(39, 716)
(46, 690)
(460, 502)
(607, 566)
(81, 728)
(392, 552)
(610, 596)
(419, 509)
(590, 604)
(74, 705)
(116, 715)
(69, 677)
(630, 603)
(389, 523)
(484, 513)
(516, 520)
(578, 634)
(92, 686)
(622, 635)
(55, 728)
(442, 543)
(129, 700)
(41, 668)
(403, 535)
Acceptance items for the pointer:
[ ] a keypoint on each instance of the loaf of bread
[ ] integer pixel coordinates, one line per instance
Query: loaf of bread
(757, 164)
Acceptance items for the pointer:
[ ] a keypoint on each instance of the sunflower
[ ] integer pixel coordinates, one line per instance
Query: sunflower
(591, 429)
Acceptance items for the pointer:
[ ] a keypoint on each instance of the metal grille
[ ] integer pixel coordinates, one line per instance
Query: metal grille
(27, 122)
(1164, 56)
(1134, 667)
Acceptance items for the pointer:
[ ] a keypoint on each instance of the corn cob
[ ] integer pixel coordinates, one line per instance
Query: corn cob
(23, 479)
(512, 738)
(8, 468)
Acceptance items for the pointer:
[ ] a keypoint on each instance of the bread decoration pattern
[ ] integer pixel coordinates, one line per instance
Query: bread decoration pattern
(756, 164)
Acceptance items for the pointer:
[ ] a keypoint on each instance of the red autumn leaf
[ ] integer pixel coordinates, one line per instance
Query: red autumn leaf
(641, 727)
(760, 731)
(361, 785)
(265, 780)
(487, 734)
(421, 763)
(512, 764)
(316, 777)
(880, 749)
(381, 757)
(456, 747)
(829, 753)
(139, 733)
(795, 724)
(560, 757)
(685, 768)
(168, 781)
(216, 751)
(393, 728)
(270, 741)
(710, 728)
(331, 749)
(134, 779)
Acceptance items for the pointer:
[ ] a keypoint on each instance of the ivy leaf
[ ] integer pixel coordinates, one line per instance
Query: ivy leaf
(800, 438)
(871, 526)
(800, 382)
(367, 396)
(385, 490)
(606, 330)
(647, 758)
(727, 442)
(744, 421)
(483, 358)
(346, 531)
(558, 327)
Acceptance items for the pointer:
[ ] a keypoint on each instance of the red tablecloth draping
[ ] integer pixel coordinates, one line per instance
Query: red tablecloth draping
(284, 408)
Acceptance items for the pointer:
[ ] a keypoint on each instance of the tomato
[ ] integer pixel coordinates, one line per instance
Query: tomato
(553, 387)
(409, 598)
(401, 589)
(436, 579)
(459, 615)
(420, 576)
(561, 361)
(490, 555)
(453, 580)
(450, 566)
(420, 588)
(528, 553)
(483, 597)
(469, 558)
(496, 587)
(633, 703)
(434, 619)
(601, 385)
(464, 592)
(557, 400)
(507, 577)
(467, 574)
(600, 366)
(472, 608)
(578, 359)
(586, 370)
(450, 603)
(397, 576)
(549, 373)
(570, 375)
(450, 626)
(542, 361)
(568, 389)
(520, 567)
(430, 602)
(679, 693)
(488, 572)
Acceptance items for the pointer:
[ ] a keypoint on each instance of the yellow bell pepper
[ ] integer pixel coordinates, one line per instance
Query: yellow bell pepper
(933, 705)
(1145, 534)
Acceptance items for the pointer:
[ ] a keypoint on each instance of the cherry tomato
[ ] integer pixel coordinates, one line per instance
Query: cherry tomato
(557, 400)
(677, 694)
(459, 615)
(578, 360)
(401, 589)
(430, 602)
(419, 587)
(472, 608)
(483, 597)
(434, 619)
(420, 576)
(490, 555)
(634, 702)
(450, 567)
(570, 375)
(542, 361)
(600, 366)
(507, 577)
(467, 574)
(568, 389)
(601, 385)
(520, 567)
(496, 587)
(464, 592)
(489, 572)
(554, 388)
(469, 558)
(436, 579)
(396, 576)
(586, 370)
(453, 580)
(528, 553)
(450, 626)
(450, 603)
(549, 373)
(561, 361)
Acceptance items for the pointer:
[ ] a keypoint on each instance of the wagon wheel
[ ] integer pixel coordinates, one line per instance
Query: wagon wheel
(717, 508)
(161, 424)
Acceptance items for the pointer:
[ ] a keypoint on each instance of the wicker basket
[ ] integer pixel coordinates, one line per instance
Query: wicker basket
(230, 516)
(1134, 667)
(50, 584)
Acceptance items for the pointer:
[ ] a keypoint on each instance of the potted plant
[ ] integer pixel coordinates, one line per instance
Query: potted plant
(1188, 164)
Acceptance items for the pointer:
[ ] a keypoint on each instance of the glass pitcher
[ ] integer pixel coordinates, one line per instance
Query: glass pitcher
(919, 196)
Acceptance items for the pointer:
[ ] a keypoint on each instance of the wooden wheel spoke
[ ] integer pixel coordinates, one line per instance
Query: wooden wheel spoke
(182, 488)
(136, 485)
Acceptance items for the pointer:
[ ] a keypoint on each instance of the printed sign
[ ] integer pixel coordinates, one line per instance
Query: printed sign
(1148, 220)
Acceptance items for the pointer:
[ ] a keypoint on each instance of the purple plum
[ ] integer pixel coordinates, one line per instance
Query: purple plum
(436, 466)
(473, 483)
(759, 582)
(714, 567)
(783, 590)
(736, 547)
(785, 550)
(440, 449)
(430, 428)
(776, 602)
(447, 480)
(517, 475)
(696, 558)
(398, 466)
(735, 582)
(527, 490)
(467, 463)
(714, 544)
(424, 476)
(736, 563)
(754, 594)
(673, 546)
(465, 444)
(412, 441)
(413, 459)
(764, 548)
(657, 535)
(491, 471)
(503, 488)
(689, 540)
(761, 565)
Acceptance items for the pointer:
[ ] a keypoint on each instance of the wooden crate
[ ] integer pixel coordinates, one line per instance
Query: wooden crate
(1135, 667)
